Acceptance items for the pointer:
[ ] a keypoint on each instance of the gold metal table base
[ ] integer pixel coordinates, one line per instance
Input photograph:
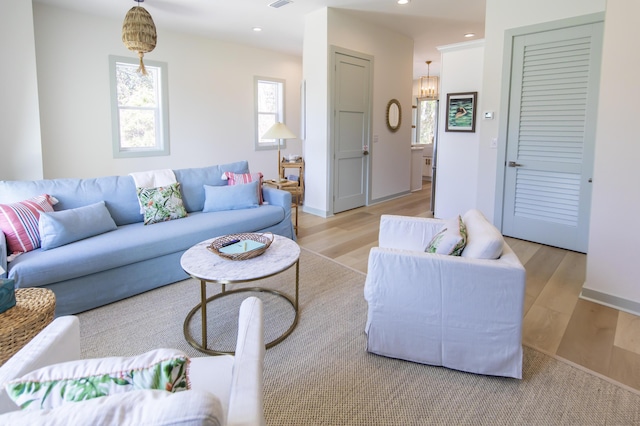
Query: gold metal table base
(202, 306)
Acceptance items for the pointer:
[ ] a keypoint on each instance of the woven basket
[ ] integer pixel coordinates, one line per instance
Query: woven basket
(33, 312)
(218, 243)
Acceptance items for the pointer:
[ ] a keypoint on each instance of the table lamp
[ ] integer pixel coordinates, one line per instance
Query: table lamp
(279, 131)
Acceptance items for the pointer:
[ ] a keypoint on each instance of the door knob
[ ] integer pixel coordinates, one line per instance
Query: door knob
(514, 164)
(365, 152)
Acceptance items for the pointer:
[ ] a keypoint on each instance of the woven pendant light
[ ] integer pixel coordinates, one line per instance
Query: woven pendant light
(139, 33)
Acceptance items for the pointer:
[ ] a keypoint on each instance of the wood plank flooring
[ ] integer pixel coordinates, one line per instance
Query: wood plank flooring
(599, 338)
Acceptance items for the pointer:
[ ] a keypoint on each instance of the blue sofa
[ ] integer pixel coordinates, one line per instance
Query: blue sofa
(133, 258)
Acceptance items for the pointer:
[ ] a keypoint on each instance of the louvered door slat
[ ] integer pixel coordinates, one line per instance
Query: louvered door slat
(550, 114)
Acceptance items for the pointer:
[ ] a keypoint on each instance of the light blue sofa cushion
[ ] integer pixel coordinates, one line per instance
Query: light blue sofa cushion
(192, 181)
(136, 243)
(231, 197)
(118, 193)
(66, 226)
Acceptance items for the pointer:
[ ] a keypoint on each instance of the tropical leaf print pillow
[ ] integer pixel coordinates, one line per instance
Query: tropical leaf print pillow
(162, 203)
(451, 239)
(58, 384)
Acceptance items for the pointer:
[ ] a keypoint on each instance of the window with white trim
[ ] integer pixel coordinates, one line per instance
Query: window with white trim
(139, 108)
(269, 109)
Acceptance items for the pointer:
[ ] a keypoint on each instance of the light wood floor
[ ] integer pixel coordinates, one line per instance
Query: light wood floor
(602, 339)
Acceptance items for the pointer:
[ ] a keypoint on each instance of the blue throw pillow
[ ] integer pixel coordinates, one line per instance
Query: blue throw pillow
(230, 197)
(66, 226)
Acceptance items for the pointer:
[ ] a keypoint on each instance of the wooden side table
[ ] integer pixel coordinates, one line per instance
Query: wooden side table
(289, 186)
(296, 190)
(34, 310)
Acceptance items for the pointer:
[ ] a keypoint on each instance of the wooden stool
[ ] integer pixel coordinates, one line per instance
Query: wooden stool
(34, 310)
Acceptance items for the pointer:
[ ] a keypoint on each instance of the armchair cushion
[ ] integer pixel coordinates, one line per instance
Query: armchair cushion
(148, 407)
(57, 384)
(451, 239)
(484, 241)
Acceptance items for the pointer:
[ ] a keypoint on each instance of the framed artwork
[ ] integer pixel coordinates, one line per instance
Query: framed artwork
(461, 112)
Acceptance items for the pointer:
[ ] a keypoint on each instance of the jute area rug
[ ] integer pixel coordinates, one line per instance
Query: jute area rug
(322, 375)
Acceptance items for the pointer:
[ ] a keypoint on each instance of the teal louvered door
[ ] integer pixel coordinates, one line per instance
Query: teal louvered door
(551, 134)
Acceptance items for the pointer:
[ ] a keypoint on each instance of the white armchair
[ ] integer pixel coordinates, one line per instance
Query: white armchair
(236, 381)
(458, 312)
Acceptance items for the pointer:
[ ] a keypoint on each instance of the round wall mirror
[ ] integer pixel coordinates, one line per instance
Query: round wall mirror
(394, 115)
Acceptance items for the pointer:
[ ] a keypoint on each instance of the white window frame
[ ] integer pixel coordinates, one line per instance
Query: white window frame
(161, 110)
(272, 143)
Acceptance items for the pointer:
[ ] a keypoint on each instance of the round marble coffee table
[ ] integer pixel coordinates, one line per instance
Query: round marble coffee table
(208, 267)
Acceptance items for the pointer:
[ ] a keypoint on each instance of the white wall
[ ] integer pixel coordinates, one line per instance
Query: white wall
(210, 97)
(500, 16)
(457, 152)
(392, 78)
(19, 116)
(611, 270)
(316, 153)
(612, 276)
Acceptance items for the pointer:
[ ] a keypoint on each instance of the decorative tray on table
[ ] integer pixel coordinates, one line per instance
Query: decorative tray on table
(241, 246)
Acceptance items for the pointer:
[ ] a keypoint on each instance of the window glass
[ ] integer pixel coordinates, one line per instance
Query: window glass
(269, 100)
(139, 108)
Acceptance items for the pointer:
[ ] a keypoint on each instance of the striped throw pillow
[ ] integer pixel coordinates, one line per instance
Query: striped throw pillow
(240, 178)
(19, 222)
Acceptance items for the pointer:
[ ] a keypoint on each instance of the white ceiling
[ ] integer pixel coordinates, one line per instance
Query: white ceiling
(430, 23)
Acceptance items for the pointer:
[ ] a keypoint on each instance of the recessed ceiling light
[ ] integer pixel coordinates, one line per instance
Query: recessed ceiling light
(403, 1)
(257, 29)
(470, 35)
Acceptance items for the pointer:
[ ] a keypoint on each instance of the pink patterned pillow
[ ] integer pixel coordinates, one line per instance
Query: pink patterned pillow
(19, 222)
(240, 178)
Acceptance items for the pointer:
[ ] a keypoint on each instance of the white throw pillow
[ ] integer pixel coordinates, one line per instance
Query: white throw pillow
(451, 239)
(141, 407)
(74, 381)
(484, 241)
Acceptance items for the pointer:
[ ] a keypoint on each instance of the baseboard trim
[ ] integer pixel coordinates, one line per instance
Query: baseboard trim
(315, 212)
(390, 197)
(325, 214)
(611, 301)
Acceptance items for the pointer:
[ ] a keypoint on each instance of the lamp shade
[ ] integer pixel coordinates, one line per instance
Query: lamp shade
(139, 33)
(279, 131)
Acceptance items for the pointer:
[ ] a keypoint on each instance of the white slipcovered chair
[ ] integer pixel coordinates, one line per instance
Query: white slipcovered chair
(461, 312)
(225, 390)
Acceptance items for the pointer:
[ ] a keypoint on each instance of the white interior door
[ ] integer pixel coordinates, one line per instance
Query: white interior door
(351, 124)
(551, 134)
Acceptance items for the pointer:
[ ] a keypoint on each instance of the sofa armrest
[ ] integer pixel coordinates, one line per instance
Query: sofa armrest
(246, 401)
(277, 197)
(58, 342)
(3, 256)
(406, 232)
